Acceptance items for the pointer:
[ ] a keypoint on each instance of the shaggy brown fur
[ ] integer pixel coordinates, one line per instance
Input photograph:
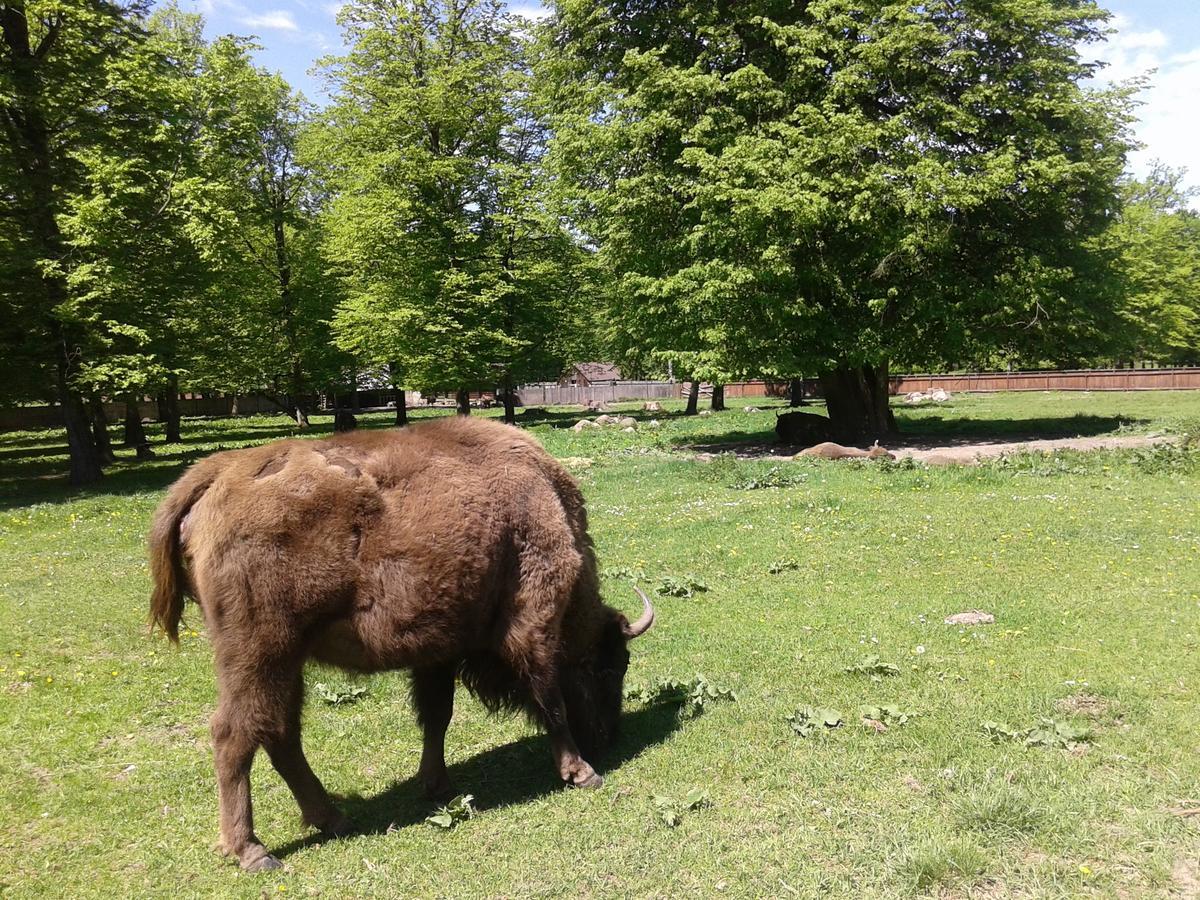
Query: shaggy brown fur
(456, 548)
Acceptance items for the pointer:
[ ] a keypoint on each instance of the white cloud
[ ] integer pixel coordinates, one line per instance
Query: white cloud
(275, 20)
(529, 10)
(1130, 53)
(1167, 125)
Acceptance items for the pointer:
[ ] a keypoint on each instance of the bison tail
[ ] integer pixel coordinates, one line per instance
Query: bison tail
(167, 573)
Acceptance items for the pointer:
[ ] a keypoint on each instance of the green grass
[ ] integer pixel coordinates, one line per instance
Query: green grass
(1091, 564)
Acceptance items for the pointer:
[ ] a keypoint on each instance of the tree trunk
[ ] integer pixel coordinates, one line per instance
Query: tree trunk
(100, 430)
(135, 433)
(464, 402)
(168, 410)
(401, 407)
(693, 401)
(86, 465)
(857, 400)
(296, 394)
(395, 371)
(132, 432)
(718, 397)
(796, 392)
(510, 401)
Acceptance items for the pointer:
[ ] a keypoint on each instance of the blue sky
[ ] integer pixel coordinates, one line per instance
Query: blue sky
(1161, 35)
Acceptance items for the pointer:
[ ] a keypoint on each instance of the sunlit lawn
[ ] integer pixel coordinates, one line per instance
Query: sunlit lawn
(1091, 565)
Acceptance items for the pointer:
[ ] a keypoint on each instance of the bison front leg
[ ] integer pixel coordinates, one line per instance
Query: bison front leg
(572, 767)
(433, 697)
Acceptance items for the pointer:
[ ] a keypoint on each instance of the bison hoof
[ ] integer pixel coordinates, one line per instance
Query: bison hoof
(337, 828)
(261, 862)
(437, 787)
(587, 780)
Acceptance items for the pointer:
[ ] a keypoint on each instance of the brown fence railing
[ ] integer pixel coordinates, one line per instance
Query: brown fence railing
(1070, 380)
(1183, 379)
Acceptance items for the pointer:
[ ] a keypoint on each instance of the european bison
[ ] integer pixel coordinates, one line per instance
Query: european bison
(455, 549)
(830, 450)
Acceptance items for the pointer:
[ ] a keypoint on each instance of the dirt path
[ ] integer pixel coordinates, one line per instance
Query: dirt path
(968, 452)
(964, 451)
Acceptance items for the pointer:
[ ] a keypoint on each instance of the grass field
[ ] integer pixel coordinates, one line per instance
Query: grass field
(798, 570)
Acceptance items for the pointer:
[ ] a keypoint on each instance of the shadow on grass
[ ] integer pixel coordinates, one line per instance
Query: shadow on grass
(509, 775)
(33, 468)
(1080, 425)
(924, 431)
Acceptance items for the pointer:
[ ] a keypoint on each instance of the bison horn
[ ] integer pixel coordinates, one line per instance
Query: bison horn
(642, 625)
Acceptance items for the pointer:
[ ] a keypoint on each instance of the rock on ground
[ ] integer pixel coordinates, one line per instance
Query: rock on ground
(936, 395)
(971, 617)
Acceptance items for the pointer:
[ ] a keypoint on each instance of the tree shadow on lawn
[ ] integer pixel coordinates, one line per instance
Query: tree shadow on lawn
(39, 474)
(509, 775)
(45, 481)
(922, 428)
(922, 432)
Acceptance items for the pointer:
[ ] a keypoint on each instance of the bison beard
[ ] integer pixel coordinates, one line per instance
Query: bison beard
(457, 549)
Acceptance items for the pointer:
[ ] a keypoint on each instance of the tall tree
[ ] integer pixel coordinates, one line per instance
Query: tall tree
(456, 270)
(831, 186)
(1157, 240)
(60, 78)
(131, 226)
(264, 236)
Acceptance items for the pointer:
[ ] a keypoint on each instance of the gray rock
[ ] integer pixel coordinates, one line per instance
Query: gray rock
(971, 617)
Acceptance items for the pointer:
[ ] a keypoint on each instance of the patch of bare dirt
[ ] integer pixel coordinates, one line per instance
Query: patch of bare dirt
(968, 453)
(971, 617)
(949, 452)
(1084, 704)
(1185, 879)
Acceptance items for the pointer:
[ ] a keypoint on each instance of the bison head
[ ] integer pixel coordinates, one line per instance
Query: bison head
(593, 686)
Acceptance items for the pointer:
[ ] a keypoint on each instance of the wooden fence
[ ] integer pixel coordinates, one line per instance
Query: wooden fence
(1070, 380)
(608, 392)
(1183, 379)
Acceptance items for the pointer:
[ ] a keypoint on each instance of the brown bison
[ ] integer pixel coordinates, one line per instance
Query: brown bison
(830, 450)
(455, 549)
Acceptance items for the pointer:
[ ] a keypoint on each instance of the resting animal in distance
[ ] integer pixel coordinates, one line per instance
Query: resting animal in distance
(830, 450)
(456, 549)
